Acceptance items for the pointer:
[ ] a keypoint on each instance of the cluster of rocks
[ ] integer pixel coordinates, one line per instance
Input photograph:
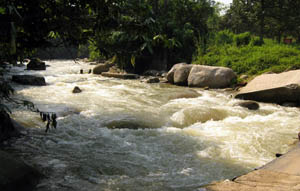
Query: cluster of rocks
(108, 69)
(200, 76)
(33, 80)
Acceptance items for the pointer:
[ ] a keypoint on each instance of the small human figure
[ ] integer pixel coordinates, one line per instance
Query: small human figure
(47, 126)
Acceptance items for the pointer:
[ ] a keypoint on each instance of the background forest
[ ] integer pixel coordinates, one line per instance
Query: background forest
(155, 34)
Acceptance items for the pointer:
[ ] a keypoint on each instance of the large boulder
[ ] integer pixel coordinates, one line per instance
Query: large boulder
(36, 64)
(171, 73)
(210, 76)
(200, 76)
(29, 80)
(104, 67)
(16, 175)
(273, 88)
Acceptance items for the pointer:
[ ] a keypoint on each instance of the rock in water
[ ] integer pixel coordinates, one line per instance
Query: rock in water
(36, 64)
(29, 80)
(210, 76)
(76, 90)
(102, 68)
(16, 175)
(273, 88)
(120, 75)
(251, 105)
(152, 80)
(200, 76)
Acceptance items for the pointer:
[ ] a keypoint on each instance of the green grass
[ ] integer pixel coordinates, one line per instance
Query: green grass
(250, 57)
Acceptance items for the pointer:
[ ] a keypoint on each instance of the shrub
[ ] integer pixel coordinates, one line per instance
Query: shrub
(242, 39)
(224, 37)
(252, 59)
(255, 41)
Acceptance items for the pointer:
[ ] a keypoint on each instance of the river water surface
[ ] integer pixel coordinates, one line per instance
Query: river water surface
(176, 144)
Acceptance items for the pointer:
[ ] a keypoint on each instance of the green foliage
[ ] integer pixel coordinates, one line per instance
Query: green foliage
(223, 37)
(252, 59)
(94, 53)
(256, 41)
(242, 39)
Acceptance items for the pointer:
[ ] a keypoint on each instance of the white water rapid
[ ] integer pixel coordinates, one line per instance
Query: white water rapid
(180, 143)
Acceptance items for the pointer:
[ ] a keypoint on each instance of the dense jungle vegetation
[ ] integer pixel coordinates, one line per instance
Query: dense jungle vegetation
(247, 36)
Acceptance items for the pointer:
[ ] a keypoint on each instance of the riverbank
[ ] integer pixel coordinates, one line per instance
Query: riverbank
(282, 173)
(185, 138)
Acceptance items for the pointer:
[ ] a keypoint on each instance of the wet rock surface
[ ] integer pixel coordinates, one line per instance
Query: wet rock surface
(16, 175)
(36, 64)
(29, 80)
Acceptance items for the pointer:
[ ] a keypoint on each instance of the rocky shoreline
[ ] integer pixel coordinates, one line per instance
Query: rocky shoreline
(14, 174)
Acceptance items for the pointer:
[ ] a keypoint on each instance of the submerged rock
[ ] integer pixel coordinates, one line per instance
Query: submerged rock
(36, 64)
(185, 94)
(120, 75)
(152, 80)
(29, 80)
(200, 76)
(251, 105)
(16, 175)
(273, 88)
(126, 124)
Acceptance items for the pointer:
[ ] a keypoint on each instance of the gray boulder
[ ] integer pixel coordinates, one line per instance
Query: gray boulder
(36, 64)
(29, 80)
(210, 76)
(200, 76)
(171, 73)
(273, 88)
(16, 175)
(102, 68)
(181, 74)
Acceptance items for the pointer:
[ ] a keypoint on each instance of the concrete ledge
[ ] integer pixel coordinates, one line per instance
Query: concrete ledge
(281, 174)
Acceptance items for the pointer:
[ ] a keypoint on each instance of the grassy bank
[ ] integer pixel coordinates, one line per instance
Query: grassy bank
(245, 54)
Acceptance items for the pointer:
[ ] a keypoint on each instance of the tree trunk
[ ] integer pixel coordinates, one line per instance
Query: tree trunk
(279, 37)
(262, 20)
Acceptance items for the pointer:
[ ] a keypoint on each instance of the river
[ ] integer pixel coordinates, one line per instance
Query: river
(179, 144)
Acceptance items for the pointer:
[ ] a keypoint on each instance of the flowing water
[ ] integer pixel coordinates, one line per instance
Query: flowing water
(165, 142)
